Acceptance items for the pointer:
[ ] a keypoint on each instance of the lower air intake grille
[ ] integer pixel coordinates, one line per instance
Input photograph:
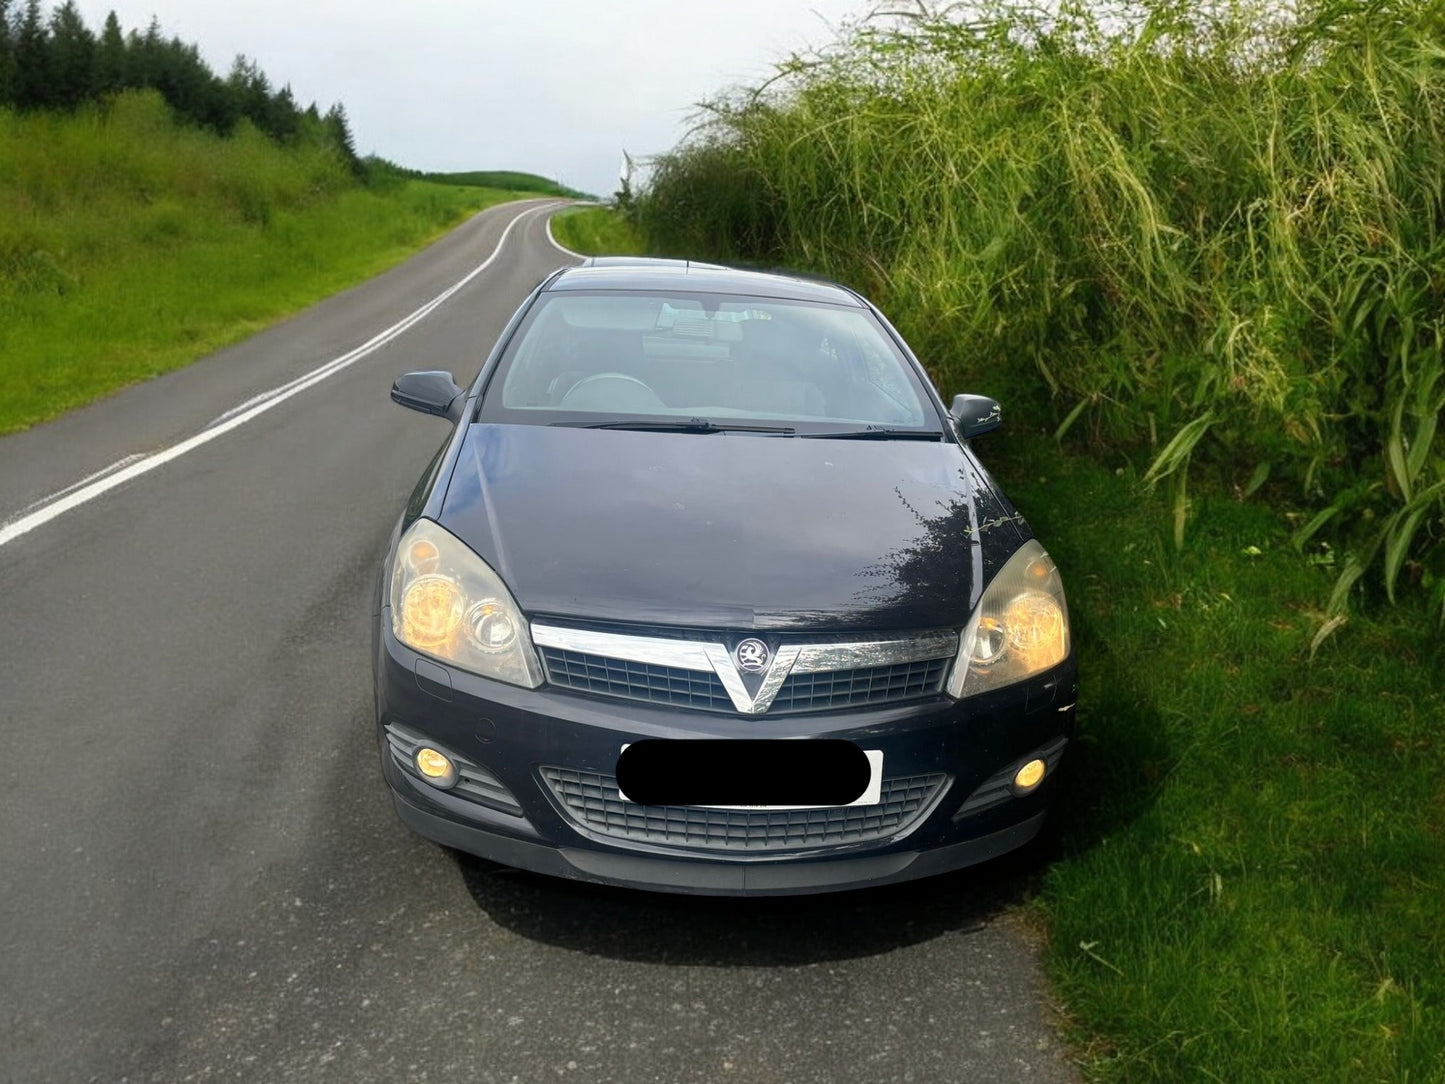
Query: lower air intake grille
(593, 801)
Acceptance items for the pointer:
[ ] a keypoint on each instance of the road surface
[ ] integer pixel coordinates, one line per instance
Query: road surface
(201, 877)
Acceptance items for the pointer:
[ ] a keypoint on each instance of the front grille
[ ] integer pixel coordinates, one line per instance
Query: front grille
(848, 688)
(635, 680)
(592, 800)
(701, 689)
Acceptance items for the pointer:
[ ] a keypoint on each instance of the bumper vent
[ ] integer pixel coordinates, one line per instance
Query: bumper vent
(592, 801)
(474, 782)
(998, 788)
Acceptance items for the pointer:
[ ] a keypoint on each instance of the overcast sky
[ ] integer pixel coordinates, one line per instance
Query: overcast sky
(557, 87)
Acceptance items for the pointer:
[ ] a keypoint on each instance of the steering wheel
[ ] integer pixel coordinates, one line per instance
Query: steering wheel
(613, 392)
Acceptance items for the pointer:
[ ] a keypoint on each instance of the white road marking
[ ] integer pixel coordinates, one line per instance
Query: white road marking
(124, 470)
(123, 462)
(561, 247)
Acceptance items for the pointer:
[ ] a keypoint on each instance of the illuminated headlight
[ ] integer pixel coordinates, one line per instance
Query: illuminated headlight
(446, 602)
(1020, 628)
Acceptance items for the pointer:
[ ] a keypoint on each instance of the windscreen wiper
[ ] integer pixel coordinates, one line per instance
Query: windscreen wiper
(877, 432)
(685, 425)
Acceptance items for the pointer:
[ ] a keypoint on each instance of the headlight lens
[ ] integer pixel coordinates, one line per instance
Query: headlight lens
(446, 602)
(1020, 628)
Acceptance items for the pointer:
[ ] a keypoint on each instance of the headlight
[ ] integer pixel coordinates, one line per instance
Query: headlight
(1020, 628)
(446, 602)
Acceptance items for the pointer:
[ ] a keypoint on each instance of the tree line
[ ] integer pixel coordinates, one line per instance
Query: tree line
(57, 62)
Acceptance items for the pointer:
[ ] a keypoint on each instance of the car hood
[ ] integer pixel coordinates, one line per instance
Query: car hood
(729, 530)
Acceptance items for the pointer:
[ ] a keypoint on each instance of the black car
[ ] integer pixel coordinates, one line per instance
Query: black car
(707, 592)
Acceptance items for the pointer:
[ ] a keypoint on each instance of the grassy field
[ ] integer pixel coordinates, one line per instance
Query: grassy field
(130, 246)
(1250, 878)
(509, 180)
(596, 231)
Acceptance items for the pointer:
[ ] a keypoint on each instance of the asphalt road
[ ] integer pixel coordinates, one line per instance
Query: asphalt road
(201, 877)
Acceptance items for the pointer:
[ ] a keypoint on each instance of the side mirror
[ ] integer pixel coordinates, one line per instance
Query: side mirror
(975, 415)
(431, 393)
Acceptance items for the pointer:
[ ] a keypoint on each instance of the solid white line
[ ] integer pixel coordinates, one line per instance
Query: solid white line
(561, 247)
(122, 471)
(122, 462)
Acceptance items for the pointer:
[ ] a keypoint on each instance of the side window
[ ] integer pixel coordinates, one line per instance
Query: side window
(884, 373)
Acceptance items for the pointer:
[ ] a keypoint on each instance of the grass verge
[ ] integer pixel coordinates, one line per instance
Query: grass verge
(130, 245)
(596, 231)
(1251, 884)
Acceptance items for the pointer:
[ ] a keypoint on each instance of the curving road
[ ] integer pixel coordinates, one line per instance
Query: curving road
(201, 877)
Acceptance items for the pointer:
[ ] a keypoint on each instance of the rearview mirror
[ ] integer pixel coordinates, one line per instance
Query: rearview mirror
(431, 392)
(975, 414)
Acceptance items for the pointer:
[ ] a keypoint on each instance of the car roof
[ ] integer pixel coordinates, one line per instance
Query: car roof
(646, 273)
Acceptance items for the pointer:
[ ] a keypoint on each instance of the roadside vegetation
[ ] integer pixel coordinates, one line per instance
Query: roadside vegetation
(55, 62)
(1196, 251)
(131, 245)
(1249, 862)
(151, 212)
(596, 231)
(1214, 232)
(509, 180)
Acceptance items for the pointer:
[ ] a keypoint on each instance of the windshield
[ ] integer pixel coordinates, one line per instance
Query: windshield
(706, 363)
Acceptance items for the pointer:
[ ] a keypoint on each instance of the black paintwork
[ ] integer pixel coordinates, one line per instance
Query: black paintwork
(719, 532)
(728, 530)
(975, 415)
(432, 392)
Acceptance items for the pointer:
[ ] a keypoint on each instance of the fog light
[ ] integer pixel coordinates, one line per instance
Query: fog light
(1029, 776)
(435, 767)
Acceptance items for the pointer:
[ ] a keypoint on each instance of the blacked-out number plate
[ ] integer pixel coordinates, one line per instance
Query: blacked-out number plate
(778, 773)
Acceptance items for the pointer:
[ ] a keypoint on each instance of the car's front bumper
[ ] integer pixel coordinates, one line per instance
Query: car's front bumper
(514, 744)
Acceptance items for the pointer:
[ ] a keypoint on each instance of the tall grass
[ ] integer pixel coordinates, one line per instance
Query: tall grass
(1208, 234)
(131, 244)
(596, 231)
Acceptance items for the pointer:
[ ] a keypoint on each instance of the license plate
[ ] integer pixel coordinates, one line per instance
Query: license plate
(872, 793)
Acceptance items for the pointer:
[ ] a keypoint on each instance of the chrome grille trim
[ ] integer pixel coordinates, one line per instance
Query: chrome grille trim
(714, 658)
(591, 801)
(865, 655)
(650, 650)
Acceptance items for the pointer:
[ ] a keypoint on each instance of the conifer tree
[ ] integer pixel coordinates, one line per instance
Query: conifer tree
(284, 117)
(60, 63)
(338, 130)
(143, 56)
(250, 90)
(33, 86)
(110, 58)
(7, 56)
(72, 58)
